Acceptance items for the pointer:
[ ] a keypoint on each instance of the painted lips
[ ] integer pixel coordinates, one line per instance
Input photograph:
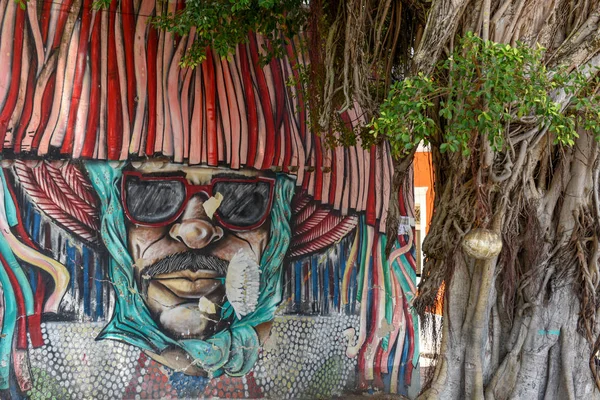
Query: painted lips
(190, 285)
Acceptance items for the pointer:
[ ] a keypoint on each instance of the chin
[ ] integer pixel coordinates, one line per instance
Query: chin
(186, 321)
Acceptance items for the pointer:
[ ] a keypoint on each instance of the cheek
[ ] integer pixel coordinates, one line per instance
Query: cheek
(255, 241)
(140, 239)
(258, 238)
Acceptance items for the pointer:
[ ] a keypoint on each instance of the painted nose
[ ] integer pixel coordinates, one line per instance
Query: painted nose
(195, 229)
(196, 233)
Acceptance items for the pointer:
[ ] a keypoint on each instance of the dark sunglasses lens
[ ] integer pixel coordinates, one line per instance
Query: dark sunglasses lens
(153, 201)
(244, 204)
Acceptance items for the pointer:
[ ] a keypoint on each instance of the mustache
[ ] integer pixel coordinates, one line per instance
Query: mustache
(189, 260)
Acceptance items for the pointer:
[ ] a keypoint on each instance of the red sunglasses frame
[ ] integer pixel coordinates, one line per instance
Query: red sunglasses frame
(190, 191)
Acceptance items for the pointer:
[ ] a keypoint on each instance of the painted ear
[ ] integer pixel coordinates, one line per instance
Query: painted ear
(62, 191)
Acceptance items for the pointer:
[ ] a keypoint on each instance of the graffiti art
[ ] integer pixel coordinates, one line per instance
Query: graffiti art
(173, 232)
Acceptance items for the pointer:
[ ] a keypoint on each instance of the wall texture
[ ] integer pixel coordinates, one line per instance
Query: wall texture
(172, 233)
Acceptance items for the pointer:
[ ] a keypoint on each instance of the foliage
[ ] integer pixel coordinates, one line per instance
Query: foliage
(490, 89)
(223, 24)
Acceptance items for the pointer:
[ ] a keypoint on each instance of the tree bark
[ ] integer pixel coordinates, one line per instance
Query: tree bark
(522, 326)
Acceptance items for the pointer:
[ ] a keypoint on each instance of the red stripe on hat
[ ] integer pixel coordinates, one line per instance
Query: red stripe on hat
(208, 71)
(60, 24)
(251, 102)
(279, 86)
(15, 81)
(45, 21)
(128, 24)
(318, 168)
(151, 65)
(86, 19)
(94, 109)
(266, 104)
(114, 117)
(46, 109)
(371, 204)
(287, 130)
(333, 177)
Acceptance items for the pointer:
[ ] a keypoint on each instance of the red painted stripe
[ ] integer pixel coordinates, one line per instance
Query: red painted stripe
(333, 177)
(401, 205)
(279, 85)
(301, 107)
(45, 20)
(208, 73)
(15, 80)
(21, 319)
(35, 321)
(46, 109)
(378, 380)
(114, 131)
(371, 213)
(251, 102)
(86, 20)
(318, 168)
(128, 24)
(266, 106)
(307, 179)
(151, 65)
(60, 24)
(287, 130)
(94, 108)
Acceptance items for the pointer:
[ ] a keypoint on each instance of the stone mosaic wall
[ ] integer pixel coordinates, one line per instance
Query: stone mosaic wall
(303, 358)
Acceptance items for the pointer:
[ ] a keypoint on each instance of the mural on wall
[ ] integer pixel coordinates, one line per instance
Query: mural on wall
(176, 232)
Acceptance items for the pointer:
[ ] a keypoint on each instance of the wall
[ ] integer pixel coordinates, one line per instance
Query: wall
(174, 232)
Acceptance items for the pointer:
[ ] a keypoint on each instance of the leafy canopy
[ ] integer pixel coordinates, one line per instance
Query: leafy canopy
(485, 88)
(223, 24)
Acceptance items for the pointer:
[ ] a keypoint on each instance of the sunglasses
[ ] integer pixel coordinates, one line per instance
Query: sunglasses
(157, 201)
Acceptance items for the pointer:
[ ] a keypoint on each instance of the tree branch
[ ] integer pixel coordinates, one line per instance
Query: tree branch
(442, 20)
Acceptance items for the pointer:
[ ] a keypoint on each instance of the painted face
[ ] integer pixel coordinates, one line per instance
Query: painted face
(185, 225)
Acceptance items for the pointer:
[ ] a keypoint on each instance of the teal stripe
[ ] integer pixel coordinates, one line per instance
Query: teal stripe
(363, 258)
(11, 216)
(549, 332)
(8, 328)
(416, 339)
(14, 265)
(387, 281)
(9, 205)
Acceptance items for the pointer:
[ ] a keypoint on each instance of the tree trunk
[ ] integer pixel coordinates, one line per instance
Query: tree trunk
(526, 318)
(523, 325)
